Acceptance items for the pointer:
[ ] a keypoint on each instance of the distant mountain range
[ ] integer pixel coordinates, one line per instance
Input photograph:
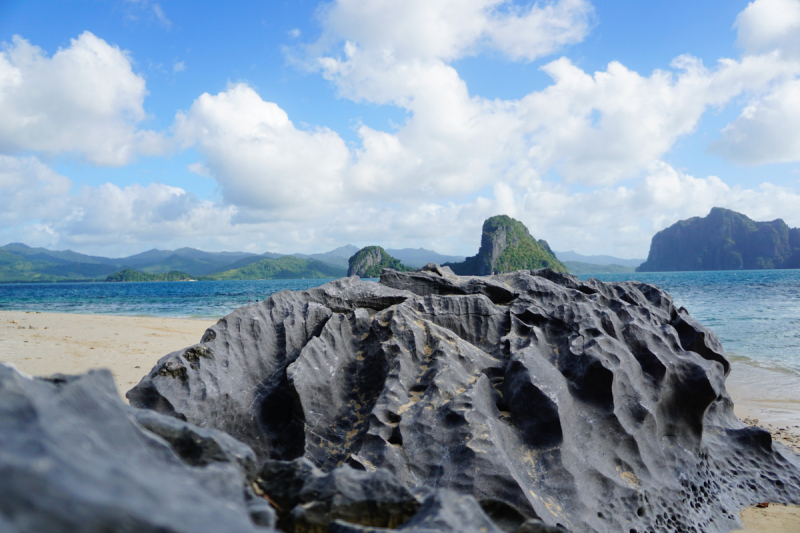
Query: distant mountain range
(22, 263)
(597, 259)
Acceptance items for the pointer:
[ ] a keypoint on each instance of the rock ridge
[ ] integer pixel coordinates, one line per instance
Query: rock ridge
(594, 406)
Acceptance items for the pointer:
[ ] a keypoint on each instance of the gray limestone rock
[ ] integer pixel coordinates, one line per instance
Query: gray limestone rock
(596, 406)
(73, 458)
(308, 499)
(443, 511)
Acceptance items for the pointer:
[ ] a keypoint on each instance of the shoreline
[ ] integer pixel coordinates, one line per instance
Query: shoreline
(43, 343)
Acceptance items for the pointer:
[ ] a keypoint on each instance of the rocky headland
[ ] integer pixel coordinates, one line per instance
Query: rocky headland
(723, 240)
(428, 402)
(370, 261)
(506, 246)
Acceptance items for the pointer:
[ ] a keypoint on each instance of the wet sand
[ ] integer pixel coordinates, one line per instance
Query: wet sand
(41, 344)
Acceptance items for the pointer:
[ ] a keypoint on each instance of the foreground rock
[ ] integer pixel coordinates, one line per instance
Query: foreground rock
(73, 457)
(599, 407)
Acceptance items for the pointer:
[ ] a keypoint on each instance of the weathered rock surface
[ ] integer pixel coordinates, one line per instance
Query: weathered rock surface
(597, 406)
(308, 499)
(506, 246)
(73, 458)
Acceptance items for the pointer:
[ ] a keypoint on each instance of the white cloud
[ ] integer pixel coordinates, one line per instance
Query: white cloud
(766, 25)
(262, 162)
(30, 191)
(767, 131)
(294, 33)
(85, 99)
(595, 128)
(158, 11)
(179, 66)
(449, 29)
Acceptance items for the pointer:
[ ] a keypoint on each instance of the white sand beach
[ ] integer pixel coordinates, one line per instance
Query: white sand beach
(41, 344)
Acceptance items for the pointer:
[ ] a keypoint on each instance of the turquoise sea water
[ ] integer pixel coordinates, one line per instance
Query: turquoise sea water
(177, 299)
(755, 313)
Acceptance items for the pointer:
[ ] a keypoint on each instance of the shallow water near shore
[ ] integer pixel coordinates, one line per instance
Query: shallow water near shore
(756, 314)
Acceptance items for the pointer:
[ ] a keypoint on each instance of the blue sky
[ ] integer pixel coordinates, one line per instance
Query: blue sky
(302, 126)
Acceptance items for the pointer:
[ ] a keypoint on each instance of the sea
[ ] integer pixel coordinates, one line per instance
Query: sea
(756, 314)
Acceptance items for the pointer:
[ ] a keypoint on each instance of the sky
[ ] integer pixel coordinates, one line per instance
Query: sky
(302, 126)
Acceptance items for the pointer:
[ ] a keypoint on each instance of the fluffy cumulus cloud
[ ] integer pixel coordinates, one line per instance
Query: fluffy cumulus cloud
(766, 25)
(768, 129)
(85, 99)
(260, 159)
(30, 190)
(449, 29)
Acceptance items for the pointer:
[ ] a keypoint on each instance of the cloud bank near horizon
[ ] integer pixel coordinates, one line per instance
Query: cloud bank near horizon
(580, 162)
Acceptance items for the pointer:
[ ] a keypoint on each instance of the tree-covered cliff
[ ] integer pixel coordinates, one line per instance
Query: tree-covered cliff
(723, 240)
(369, 261)
(506, 246)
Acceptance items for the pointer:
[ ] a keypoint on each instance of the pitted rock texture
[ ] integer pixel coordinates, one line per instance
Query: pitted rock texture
(308, 499)
(73, 457)
(596, 406)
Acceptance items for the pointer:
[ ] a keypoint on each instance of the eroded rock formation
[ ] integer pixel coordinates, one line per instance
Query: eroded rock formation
(73, 458)
(597, 406)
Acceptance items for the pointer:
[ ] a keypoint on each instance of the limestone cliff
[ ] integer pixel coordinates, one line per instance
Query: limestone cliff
(723, 240)
(368, 262)
(506, 246)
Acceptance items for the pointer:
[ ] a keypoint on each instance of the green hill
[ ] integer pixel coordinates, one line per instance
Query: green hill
(285, 267)
(130, 274)
(369, 261)
(15, 267)
(506, 246)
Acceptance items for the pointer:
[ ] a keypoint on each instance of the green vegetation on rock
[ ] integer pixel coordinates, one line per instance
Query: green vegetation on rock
(285, 267)
(506, 246)
(723, 240)
(130, 274)
(369, 261)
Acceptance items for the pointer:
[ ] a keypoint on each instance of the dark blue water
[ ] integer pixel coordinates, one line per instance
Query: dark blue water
(756, 313)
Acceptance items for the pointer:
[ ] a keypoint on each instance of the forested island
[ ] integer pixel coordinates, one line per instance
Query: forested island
(130, 274)
(723, 240)
(506, 246)
(371, 260)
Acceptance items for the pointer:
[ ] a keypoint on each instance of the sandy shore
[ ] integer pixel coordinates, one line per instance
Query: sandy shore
(40, 344)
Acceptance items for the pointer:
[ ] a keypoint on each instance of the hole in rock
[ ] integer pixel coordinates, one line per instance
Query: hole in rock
(396, 438)
(640, 511)
(418, 387)
(393, 418)
(282, 420)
